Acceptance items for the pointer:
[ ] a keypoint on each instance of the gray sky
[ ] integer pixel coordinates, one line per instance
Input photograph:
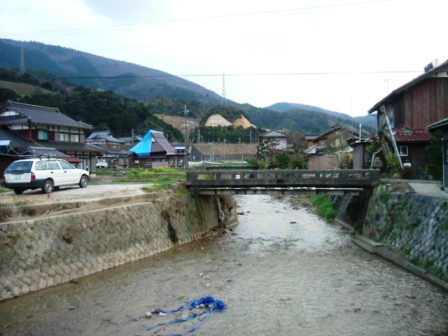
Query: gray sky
(341, 55)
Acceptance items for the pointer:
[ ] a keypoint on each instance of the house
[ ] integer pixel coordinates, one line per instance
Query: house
(132, 140)
(112, 151)
(333, 149)
(404, 114)
(443, 126)
(13, 146)
(25, 125)
(154, 151)
(275, 136)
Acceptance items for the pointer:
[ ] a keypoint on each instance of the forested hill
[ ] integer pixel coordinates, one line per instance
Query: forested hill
(160, 92)
(367, 120)
(123, 78)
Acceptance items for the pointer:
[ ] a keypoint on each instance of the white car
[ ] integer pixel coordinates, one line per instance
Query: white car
(47, 174)
(101, 164)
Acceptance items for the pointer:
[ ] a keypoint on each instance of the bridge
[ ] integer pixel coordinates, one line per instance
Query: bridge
(283, 182)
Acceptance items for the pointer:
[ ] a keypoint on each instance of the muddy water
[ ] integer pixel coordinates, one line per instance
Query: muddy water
(280, 272)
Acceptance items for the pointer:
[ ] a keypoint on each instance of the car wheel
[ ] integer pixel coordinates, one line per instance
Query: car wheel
(47, 187)
(18, 191)
(83, 181)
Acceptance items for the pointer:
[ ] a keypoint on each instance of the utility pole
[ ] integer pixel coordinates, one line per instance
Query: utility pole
(186, 137)
(22, 62)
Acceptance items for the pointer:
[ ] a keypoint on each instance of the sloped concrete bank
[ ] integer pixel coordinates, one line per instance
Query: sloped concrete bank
(45, 246)
(405, 227)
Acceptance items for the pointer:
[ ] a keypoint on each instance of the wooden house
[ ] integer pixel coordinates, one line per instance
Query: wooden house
(47, 127)
(404, 114)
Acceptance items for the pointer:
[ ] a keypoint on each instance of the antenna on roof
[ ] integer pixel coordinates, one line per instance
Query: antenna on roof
(432, 65)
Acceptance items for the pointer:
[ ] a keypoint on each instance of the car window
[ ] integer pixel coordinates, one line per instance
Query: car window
(53, 165)
(66, 165)
(20, 167)
(41, 165)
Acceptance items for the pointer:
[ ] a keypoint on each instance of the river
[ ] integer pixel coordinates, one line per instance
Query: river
(281, 271)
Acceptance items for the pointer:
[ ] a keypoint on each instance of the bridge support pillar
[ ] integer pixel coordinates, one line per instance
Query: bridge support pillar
(352, 209)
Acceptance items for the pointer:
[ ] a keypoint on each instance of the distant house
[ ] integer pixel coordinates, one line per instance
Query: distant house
(26, 126)
(320, 156)
(443, 126)
(112, 150)
(154, 151)
(278, 137)
(404, 114)
(132, 140)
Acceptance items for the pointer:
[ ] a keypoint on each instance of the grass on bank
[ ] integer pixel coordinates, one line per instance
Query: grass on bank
(159, 178)
(325, 207)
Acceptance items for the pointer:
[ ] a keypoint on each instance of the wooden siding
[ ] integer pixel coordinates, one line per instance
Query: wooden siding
(423, 104)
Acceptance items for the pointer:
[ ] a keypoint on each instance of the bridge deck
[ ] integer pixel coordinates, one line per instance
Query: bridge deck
(281, 181)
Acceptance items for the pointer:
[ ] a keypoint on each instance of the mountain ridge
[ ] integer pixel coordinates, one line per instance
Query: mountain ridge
(136, 81)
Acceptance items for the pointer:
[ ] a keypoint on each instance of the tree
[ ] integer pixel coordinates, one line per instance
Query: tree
(434, 156)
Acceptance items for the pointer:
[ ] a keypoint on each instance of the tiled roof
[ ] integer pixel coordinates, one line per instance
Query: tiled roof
(110, 151)
(43, 151)
(17, 141)
(102, 136)
(71, 146)
(273, 134)
(25, 146)
(163, 142)
(41, 115)
(412, 136)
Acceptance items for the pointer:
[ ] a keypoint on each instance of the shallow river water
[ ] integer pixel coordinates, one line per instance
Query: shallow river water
(281, 271)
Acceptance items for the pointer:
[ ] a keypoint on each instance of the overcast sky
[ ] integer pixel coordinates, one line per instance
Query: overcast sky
(341, 55)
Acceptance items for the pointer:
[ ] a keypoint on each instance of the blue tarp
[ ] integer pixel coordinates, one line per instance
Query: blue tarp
(143, 148)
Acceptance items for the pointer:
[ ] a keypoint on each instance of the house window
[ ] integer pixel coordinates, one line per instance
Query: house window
(403, 150)
(63, 137)
(42, 135)
(74, 137)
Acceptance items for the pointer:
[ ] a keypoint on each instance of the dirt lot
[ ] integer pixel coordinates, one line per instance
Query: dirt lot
(67, 194)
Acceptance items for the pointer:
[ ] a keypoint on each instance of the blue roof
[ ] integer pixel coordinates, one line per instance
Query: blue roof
(153, 142)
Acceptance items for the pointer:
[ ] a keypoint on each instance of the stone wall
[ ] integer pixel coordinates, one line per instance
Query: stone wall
(41, 252)
(412, 226)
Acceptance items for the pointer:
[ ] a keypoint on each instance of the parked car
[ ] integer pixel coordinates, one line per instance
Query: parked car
(47, 174)
(102, 164)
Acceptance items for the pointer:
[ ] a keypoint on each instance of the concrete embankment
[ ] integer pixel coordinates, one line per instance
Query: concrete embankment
(46, 245)
(405, 227)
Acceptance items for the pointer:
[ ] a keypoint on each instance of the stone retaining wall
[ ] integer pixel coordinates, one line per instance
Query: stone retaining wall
(413, 226)
(42, 252)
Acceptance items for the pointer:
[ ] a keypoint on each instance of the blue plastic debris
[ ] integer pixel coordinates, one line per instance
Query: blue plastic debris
(209, 303)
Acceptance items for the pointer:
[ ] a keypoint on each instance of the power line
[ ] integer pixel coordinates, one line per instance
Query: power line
(335, 73)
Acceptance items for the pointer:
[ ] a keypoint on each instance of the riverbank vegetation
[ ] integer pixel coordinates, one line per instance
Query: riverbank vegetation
(159, 176)
(325, 207)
